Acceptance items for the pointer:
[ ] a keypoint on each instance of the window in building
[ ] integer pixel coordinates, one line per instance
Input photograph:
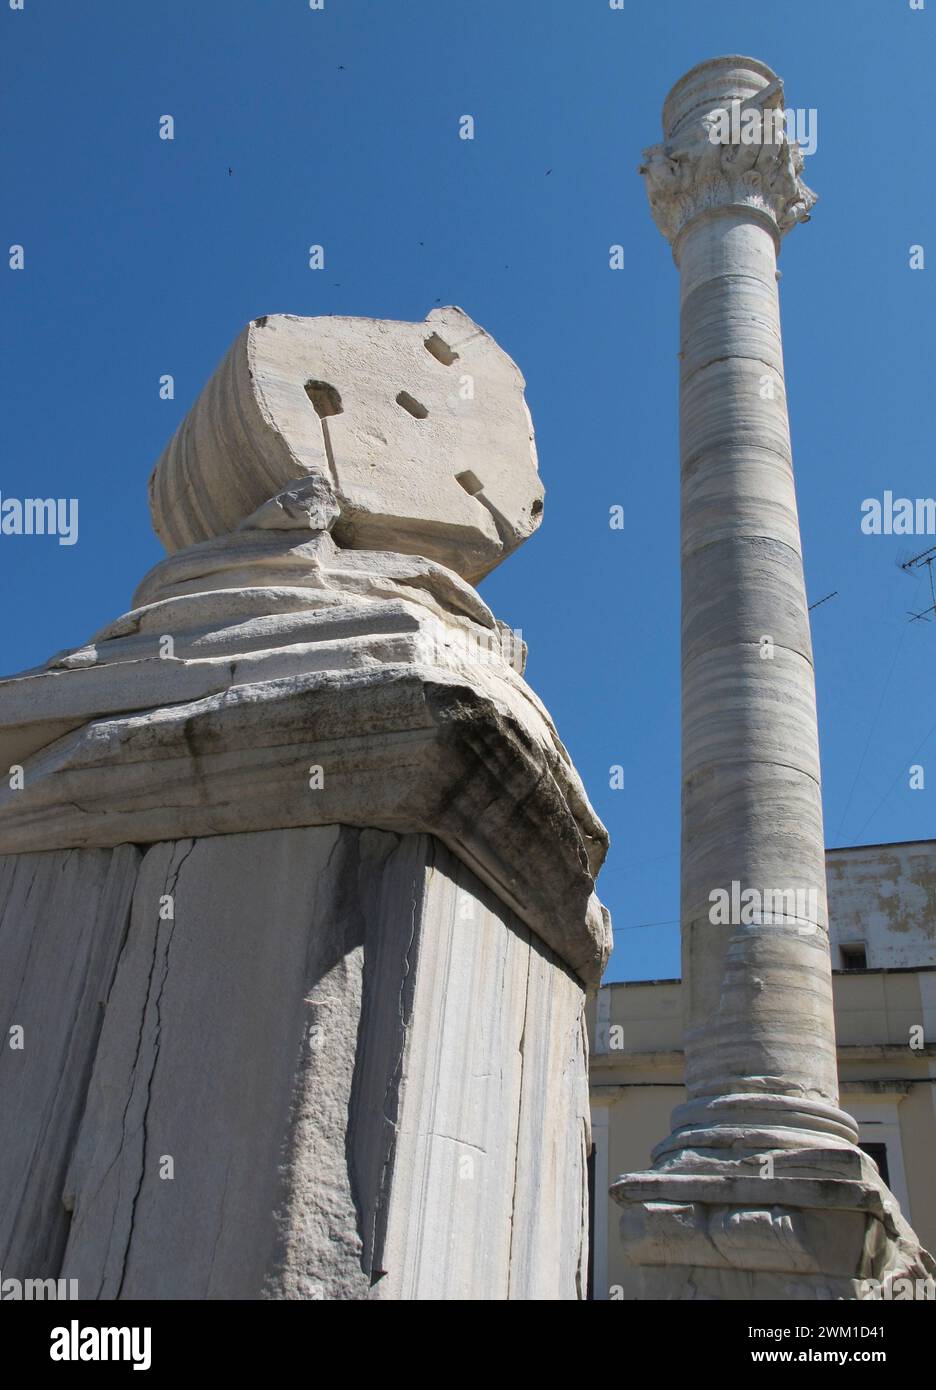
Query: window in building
(879, 1153)
(854, 957)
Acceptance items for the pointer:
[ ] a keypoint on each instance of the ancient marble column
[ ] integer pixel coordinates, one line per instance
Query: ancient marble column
(297, 909)
(761, 1125)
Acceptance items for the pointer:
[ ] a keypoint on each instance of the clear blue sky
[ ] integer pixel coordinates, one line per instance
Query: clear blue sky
(341, 127)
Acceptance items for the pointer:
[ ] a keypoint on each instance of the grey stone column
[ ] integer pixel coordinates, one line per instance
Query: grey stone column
(753, 845)
(736, 1206)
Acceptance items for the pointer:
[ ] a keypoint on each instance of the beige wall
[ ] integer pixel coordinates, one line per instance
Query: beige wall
(636, 1080)
(884, 897)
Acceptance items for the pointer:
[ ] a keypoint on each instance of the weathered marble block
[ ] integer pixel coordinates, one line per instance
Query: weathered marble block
(328, 1068)
(316, 1063)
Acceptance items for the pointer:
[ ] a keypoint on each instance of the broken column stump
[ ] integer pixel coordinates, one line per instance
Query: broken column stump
(297, 910)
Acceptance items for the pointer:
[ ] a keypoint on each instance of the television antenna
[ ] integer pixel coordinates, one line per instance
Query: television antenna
(915, 563)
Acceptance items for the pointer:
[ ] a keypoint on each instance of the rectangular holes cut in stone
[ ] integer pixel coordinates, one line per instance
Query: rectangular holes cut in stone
(412, 406)
(440, 350)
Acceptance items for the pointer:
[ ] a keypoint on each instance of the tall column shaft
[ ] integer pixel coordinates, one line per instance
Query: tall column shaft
(759, 999)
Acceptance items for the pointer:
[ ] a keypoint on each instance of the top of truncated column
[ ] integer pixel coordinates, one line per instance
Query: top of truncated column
(421, 430)
(713, 86)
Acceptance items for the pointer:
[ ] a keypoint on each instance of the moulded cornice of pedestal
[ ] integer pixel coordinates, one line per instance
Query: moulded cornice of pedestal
(385, 672)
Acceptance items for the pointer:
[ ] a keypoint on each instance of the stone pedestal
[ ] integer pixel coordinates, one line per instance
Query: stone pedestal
(760, 1191)
(297, 910)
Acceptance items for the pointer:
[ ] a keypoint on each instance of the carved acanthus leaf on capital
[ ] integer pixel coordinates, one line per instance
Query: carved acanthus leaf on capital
(686, 180)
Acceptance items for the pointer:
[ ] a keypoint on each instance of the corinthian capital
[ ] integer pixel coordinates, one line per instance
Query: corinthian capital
(725, 146)
(689, 178)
